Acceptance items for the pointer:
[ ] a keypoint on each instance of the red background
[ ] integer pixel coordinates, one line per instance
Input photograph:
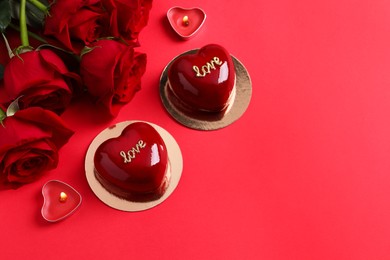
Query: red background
(304, 174)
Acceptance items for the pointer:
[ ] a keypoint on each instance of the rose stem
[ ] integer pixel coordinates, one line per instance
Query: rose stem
(39, 5)
(23, 24)
(33, 35)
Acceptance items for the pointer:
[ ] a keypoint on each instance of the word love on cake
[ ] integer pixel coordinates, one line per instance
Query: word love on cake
(206, 69)
(127, 157)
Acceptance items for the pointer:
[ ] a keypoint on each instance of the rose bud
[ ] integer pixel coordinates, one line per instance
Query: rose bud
(75, 23)
(127, 18)
(29, 145)
(112, 71)
(40, 78)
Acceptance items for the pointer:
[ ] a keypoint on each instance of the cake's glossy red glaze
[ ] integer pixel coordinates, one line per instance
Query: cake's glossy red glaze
(210, 92)
(142, 179)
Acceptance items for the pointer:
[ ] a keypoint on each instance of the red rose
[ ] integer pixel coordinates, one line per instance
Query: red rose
(75, 23)
(40, 78)
(29, 145)
(127, 18)
(112, 73)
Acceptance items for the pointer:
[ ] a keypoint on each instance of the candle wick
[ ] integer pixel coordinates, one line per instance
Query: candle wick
(63, 196)
(186, 21)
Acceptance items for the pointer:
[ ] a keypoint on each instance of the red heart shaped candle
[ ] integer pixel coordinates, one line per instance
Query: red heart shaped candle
(203, 81)
(60, 200)
(133, 165)
(186, 22)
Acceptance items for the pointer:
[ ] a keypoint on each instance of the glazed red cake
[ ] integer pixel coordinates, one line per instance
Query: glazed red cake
(204, 81)
(134, 166)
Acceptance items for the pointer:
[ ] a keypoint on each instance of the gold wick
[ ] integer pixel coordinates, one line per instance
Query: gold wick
(63, 196)
(186, 21)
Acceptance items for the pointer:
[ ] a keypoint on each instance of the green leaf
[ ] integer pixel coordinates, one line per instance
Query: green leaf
(5, 14)
(2, 116)
(34, 16)
(87, 49)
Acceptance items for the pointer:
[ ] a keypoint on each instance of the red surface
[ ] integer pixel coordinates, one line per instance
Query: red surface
(304, 174)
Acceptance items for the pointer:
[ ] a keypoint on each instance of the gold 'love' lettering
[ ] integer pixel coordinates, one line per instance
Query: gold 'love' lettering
(130, 154)
(206, 69)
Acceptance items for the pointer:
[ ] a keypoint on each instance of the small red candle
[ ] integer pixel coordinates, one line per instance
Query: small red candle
(60, 200)
(186, 22)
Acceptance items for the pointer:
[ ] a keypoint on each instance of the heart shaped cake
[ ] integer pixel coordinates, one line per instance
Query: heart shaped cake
(134, 165)
(203, 81)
